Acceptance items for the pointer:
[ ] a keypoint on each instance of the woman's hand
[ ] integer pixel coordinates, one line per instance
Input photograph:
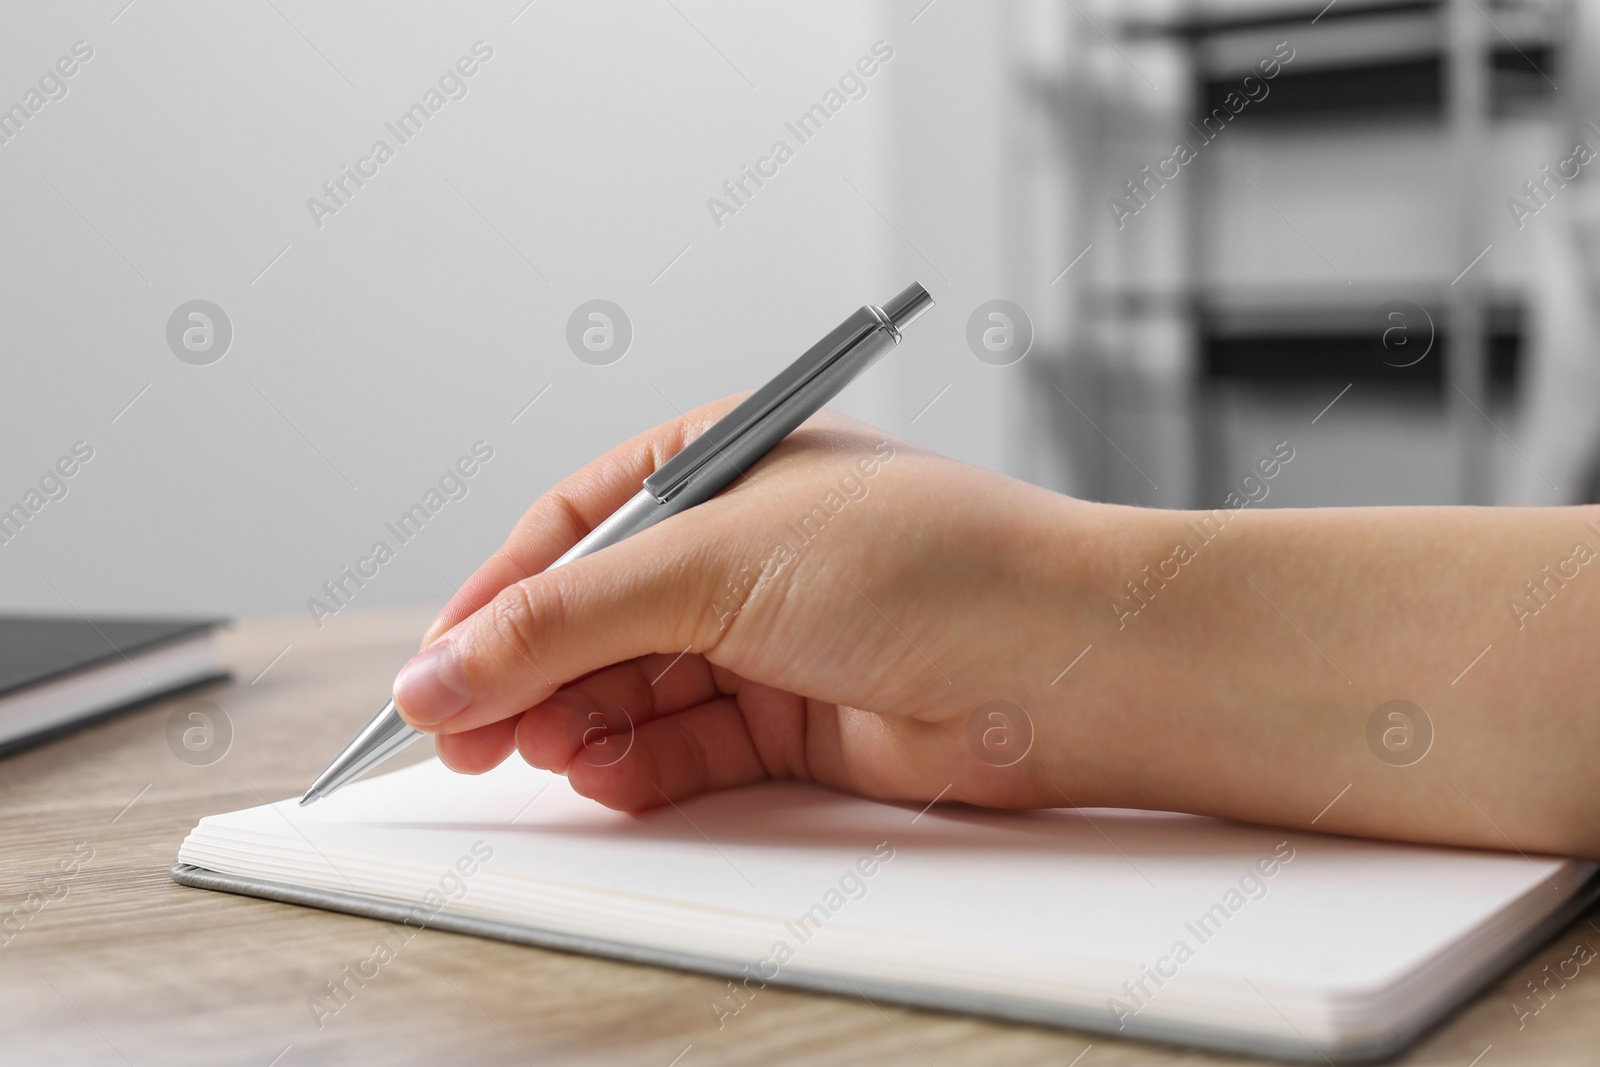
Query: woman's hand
(868, 615)
(841, 614)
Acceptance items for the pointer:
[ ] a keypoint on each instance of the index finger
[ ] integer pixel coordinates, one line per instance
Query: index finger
(574, 506)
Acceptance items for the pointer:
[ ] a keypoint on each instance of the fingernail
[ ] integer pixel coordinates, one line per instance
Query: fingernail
(432, 687)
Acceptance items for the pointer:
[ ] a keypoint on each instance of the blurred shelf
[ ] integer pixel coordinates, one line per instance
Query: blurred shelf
(1386, 59)
(1198, 25)
(1452, 67)
(1298, 334)
(1316, 308)
(1293, 357)
(1399, 88)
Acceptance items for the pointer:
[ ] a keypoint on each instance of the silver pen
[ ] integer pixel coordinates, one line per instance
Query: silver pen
(704, 467)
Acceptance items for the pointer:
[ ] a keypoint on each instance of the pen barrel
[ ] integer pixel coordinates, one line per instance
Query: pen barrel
(766, 416)
(847, 351)
(382, 738)
(852, 347)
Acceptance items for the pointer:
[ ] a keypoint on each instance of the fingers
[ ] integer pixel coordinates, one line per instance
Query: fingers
(701, 749)
(611, 701)
(649, 594)
(680, 755)
(476, 751)
(719, 743)
(576, 505)
(672, 739)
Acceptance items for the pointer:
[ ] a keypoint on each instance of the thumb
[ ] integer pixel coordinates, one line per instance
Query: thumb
(653, 592)
(574, 507)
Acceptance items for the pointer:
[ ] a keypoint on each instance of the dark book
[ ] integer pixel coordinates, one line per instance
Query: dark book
(58, 674)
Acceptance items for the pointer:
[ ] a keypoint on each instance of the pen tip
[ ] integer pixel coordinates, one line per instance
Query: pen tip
(311, 795)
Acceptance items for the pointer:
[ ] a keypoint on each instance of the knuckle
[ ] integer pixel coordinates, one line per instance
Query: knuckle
(694, 580)
(558, 509)
(513, 623)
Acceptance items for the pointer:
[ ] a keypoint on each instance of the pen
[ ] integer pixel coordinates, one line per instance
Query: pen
(704, 467)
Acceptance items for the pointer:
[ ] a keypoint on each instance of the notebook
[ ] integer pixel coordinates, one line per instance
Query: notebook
(1140, 924)
(58, 674)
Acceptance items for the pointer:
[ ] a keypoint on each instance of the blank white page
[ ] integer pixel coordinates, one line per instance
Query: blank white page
(1344, 938)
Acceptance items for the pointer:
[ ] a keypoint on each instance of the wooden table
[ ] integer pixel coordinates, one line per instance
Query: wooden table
(126, 967)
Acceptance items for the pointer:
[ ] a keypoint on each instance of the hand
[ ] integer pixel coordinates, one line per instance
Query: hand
(837, 615)
(844, 613)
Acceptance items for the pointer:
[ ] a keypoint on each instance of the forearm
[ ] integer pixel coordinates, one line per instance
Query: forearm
(1238, 674)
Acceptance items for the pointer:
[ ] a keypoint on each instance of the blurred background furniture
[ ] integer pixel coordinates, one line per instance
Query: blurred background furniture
(1237, 300)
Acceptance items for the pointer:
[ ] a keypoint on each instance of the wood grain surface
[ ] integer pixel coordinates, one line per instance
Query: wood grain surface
(122, 966)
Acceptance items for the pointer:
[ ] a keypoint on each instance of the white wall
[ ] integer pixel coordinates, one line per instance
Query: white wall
(381, 345)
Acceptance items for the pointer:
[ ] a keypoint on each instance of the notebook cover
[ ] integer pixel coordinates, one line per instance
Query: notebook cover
(72, 726)
(1085, 1019)
(42, 648)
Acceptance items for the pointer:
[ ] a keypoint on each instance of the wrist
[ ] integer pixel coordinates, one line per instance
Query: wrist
(1100, 681)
